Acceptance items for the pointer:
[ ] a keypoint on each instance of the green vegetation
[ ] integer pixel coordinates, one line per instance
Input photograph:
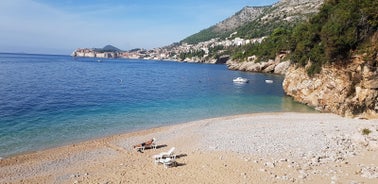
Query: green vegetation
(107, 48)
(214, 52)
(366, 131)
(205, 35)
(258, 28)
(340, 29)
(253, 29)
(277, 42)
(331, 36)
(191, 54)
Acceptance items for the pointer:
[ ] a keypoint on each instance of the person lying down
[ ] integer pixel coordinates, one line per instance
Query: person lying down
(145, 144)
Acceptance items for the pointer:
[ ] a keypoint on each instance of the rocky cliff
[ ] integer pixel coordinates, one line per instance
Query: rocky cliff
(277, 66)
(247, 14)
(227, 26)
(289, 10)
(350, 90)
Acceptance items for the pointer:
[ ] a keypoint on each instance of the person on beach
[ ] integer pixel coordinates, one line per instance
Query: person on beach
(145, 144)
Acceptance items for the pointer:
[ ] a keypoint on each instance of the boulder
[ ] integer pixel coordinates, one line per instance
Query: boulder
(253, 67)
(281, 68)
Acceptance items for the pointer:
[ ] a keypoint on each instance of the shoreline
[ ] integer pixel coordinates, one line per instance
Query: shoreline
(268, 143)
(79, 141)
(131, 132)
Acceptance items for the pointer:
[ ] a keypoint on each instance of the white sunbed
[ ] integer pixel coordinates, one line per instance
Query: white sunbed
(168, 162)
(160, 158)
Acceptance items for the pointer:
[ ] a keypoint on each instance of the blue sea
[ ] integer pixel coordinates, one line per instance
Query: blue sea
(49, 100)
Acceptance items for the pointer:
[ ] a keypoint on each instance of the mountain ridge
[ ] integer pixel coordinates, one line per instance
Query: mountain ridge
(251, 19)
(245, 15)
(227, 26)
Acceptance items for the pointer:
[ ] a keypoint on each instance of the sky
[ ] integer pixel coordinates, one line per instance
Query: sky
(61, 26)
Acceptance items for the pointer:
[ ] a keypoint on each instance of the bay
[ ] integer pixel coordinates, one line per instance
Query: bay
(49, 100)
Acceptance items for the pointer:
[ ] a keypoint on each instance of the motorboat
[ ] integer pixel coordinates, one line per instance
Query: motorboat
(240, 80)
(268, 81)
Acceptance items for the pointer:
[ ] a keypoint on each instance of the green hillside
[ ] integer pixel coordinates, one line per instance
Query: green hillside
(224, 28)
(342, 27)
(205, 35)
(261, 22)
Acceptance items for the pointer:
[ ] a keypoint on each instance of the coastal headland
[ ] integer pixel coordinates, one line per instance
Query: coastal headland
(252, 148)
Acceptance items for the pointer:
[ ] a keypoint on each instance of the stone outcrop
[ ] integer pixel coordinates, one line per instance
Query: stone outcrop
(276, 66)
(350, 91)
(263, 67)
(282, 67)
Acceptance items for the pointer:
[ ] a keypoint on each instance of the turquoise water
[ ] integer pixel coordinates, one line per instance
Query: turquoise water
(47, 101)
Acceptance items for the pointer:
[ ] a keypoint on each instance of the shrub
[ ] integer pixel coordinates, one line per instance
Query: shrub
(366, 131)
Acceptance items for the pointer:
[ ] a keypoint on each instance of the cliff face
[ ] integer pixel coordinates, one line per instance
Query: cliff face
(350, 91)
(289, 10)
(247, 14)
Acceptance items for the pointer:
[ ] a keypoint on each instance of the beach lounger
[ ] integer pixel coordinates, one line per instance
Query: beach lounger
(163, 155)
(168, 162)
(149, 144)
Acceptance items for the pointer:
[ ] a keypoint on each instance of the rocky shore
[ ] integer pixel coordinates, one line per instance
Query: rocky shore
(270, 66)
(350, 91)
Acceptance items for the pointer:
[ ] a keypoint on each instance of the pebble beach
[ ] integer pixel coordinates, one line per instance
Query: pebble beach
(251, 148)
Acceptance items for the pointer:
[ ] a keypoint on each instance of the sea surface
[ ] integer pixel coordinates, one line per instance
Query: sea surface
(49, 100)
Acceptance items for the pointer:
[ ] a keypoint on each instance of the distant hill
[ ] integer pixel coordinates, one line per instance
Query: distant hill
(252, 22)
(108, 48)
(227, 26)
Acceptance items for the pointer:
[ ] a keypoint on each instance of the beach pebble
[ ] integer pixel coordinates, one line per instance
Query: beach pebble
(244, 175)
(292, 180)
(334, 178)
(302, 174)
(369, 172)
(273, 175)
(285, 177)
(263, 170)
(270, 164)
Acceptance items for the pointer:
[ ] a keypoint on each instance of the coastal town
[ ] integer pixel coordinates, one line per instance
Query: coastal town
(172, 52)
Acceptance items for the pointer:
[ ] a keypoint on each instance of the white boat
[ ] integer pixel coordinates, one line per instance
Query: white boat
(269, 81)
(240, 80)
